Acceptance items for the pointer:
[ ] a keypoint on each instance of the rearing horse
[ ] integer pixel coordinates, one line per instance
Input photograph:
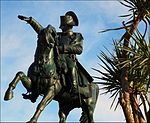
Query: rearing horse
(43, 79)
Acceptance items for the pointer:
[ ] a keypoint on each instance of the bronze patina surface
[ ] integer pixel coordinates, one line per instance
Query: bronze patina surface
(56, 73)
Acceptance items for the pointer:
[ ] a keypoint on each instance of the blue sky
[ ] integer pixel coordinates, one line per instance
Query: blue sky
(18, 43)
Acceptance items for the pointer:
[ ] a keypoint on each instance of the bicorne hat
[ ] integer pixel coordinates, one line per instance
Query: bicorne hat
(70, 18)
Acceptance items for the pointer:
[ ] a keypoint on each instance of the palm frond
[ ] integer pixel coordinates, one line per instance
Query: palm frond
(138, 61)
(115, 94)
(110, 74)
(138, 8)
(119, 28)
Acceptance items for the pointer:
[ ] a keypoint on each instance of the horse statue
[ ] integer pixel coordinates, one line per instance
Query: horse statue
(44, 79)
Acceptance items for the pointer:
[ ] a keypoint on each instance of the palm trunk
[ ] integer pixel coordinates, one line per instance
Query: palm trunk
(125, 104)
(125, 99)
(138, 116)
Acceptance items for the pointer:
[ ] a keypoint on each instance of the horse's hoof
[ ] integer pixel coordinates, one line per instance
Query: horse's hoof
(29, 122)
(8, 95)
(32, 121)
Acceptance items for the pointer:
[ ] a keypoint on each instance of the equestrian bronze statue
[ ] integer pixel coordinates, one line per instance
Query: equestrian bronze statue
(56, 73)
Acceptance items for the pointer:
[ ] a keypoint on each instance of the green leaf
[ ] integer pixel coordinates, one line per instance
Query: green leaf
(116, 95)
(129, 6)
(124, 27)
(125, 15)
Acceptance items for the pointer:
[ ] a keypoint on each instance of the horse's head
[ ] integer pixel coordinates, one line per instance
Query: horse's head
(48, 35)
(47, 39)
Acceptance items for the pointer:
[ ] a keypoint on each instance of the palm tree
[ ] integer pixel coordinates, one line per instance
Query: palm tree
(127, 99)
(139, 62)
(141, 12)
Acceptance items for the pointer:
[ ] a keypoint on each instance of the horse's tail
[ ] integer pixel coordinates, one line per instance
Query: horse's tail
(97, 91)
(84, 118)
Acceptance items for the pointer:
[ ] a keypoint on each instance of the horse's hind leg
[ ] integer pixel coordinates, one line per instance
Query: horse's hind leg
(87, 112)
(63, 112)
(91, 102)
(25, 81)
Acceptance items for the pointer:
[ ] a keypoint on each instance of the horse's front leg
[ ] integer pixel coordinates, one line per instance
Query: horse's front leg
(45, 101)
(25, 81)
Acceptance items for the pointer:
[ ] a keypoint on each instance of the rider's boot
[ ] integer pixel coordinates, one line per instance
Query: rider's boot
(74, 88)
(12, 85)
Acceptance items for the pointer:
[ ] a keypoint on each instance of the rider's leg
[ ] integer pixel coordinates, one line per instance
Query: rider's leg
(25, 81)
(74, 79)
(72, 73)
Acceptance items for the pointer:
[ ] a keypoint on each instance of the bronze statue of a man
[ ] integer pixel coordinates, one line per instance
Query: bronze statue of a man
(55, 71)
(69, 44)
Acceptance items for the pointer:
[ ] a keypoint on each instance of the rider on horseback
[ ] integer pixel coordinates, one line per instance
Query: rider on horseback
(55, 60)
(68, 44)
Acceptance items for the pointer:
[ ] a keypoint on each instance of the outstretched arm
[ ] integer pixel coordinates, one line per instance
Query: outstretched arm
(35, 25)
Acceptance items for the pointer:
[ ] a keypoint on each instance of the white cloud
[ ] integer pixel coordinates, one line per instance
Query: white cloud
(109, 9)
(104, 114)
